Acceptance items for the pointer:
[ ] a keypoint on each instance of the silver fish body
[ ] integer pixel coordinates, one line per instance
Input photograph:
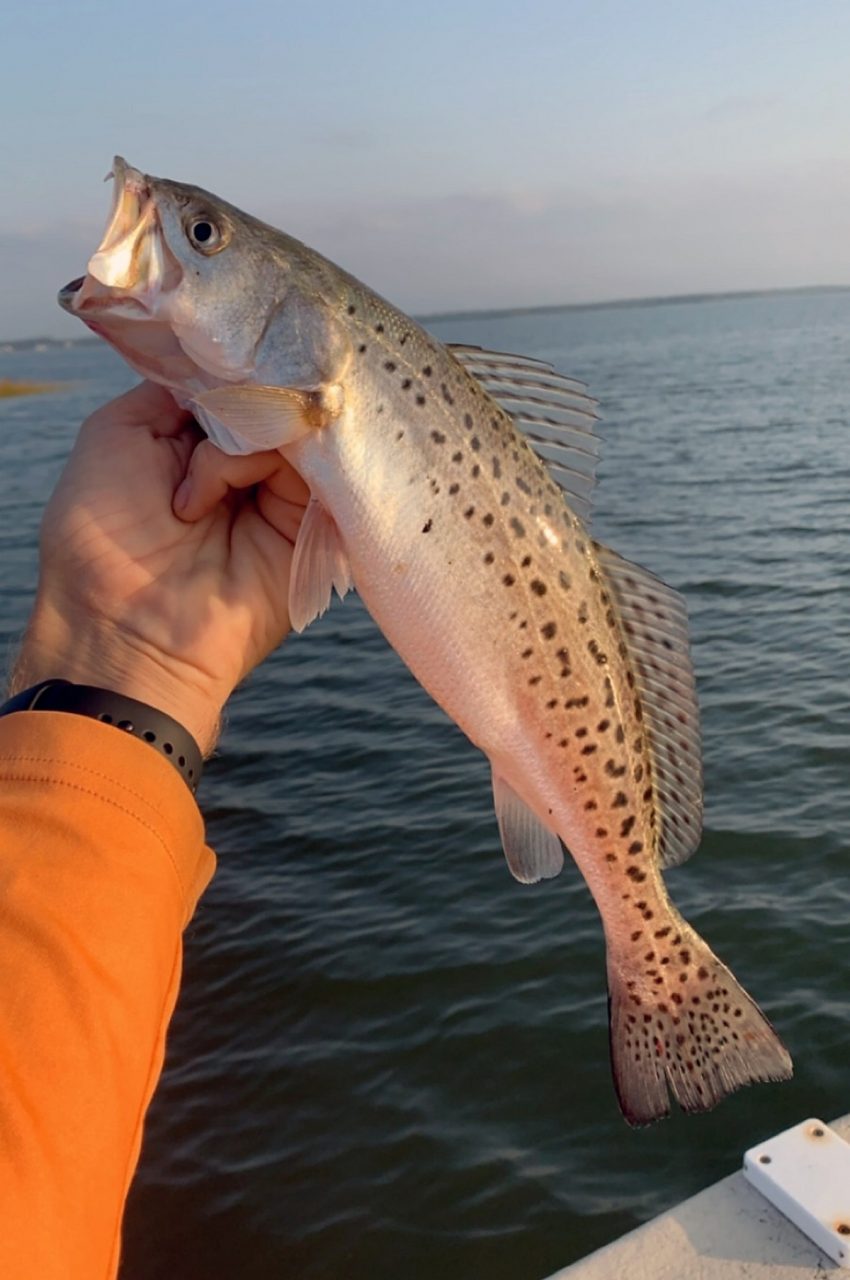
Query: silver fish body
(565, 664)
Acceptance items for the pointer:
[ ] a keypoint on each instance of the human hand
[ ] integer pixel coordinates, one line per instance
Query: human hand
(171, 609)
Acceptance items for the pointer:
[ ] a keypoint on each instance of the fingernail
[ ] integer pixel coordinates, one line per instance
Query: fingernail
(182, 495)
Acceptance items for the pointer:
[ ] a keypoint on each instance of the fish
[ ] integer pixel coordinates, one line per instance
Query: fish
(451, 485)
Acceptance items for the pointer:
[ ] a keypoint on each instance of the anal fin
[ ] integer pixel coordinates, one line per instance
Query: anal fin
(533, 853)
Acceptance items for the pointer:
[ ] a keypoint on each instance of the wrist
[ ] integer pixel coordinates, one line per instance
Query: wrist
(96, 652)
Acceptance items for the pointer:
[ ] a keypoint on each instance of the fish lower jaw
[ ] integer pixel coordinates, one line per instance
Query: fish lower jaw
(86, 298)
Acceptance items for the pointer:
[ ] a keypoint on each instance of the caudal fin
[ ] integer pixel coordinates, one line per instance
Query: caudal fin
(681, 1024)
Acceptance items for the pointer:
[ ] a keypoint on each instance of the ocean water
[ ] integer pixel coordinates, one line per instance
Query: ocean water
(388, 1058)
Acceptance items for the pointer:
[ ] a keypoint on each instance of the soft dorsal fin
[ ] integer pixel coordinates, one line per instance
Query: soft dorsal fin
(656, 626)
(555, 413)
(533, 853)
(319, 564)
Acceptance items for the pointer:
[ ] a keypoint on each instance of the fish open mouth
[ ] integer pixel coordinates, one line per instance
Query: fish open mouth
(126, 272)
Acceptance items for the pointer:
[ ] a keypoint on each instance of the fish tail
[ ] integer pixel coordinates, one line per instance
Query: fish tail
(681, 1023)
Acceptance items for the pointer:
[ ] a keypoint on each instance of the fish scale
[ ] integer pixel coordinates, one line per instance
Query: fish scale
(432, 474)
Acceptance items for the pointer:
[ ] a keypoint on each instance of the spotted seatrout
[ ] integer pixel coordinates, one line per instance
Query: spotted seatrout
(451, 486)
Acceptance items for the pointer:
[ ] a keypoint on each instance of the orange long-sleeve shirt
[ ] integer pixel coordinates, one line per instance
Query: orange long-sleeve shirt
(102, 861)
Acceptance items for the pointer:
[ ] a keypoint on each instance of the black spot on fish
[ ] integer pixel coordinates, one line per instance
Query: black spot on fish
(525, 562)
(488, 519)
(526, 653)
(509, 580)
(379, 328)
(438, 437)
(505, 499)
(352, 310)
(389, 365)
(518, 527)
(489, 558)
(599, 657)
(406, 384)
(538, 587)
(426, 372)
(467, 421)
(589, 749)
(453, 488)
(469, 513)
(420, 400)
(626, 826)
(457, 457)
(476, 471)
(620, 800)
(521, 485)
(548, 630)
(475, 443)
(535, 680)
(362, 348)
(400, 435)
(564, 580)
(426, 528)
(497, 468)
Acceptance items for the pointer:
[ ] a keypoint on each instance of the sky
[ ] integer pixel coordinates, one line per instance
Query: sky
(454, 156)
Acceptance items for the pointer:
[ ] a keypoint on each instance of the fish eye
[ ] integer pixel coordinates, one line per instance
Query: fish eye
(205, 235)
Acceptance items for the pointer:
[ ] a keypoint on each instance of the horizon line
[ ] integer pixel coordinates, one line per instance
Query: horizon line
(471, 313)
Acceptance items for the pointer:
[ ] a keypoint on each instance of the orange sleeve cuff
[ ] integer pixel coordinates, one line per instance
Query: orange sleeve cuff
(102, 862)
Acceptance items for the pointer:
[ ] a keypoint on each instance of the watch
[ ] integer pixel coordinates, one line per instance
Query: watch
(147, 723)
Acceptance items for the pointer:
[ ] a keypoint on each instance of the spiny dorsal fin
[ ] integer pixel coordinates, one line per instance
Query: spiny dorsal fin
(555, 413)
(656, 627)
(533, 853)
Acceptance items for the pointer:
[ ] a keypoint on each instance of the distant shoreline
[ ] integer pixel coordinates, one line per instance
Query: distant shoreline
(15, 345)
(663, 300)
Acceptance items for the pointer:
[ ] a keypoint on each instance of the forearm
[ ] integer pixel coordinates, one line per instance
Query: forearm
(102, 861)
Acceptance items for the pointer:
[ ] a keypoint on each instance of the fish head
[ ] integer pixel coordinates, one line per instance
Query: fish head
(181, 284)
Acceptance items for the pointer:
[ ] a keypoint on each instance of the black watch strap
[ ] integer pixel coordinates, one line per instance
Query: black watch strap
(147, 723)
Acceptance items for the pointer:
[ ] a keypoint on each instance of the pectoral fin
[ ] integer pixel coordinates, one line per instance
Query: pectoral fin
(533, 853)
(249, 419)
(320, 563)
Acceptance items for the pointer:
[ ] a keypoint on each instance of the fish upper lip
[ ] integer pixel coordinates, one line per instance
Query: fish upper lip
(126, 270)
(116, 262)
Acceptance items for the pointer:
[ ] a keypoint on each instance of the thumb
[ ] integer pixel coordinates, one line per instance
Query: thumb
(212, 474)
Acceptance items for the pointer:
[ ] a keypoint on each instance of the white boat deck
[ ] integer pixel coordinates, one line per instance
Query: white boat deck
(727, 1232)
